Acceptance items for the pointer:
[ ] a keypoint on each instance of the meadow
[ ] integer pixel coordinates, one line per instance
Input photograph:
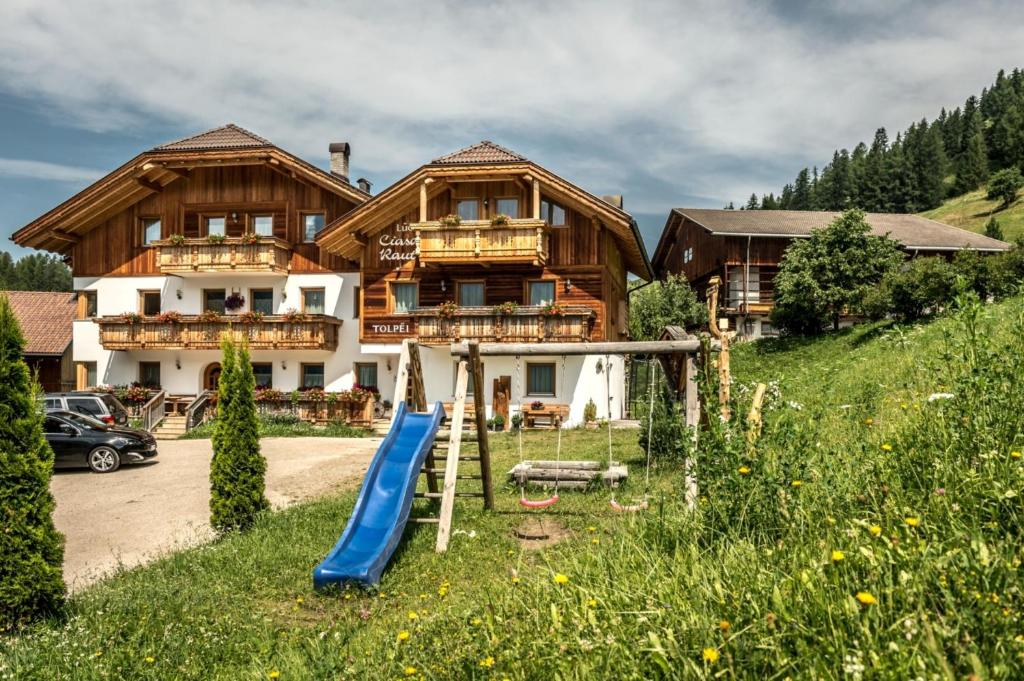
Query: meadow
(872, 532)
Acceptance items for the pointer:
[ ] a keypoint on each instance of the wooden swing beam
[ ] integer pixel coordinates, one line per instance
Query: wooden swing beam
(659, 347)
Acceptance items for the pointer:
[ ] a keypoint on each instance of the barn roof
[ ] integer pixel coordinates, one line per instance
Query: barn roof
(46, 319)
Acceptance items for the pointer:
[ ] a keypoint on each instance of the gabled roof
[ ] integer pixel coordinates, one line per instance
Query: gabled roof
(913, 232)
(483, 152)
(345, 235)
(149, 172)
(45, 318)
(228, 136)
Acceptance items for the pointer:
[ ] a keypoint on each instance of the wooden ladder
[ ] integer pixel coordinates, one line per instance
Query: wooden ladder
(442, 482)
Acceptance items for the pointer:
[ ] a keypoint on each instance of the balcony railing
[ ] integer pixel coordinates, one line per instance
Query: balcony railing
(519, 241)
(315, 332)
(525, 325)
(269, 254)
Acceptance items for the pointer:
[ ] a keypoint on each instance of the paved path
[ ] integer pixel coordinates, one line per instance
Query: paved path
(138, 512)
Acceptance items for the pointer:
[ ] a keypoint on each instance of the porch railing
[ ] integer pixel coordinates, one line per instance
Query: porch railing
(313, 332)
(526, 325)
(269, 254)
(520, 241)
(196, 412)
(153, 411)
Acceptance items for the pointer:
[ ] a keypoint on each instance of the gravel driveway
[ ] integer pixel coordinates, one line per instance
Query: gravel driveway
(138, 512)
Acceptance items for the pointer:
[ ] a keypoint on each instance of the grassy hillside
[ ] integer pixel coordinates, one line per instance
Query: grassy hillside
(971, 211)
(873, 532)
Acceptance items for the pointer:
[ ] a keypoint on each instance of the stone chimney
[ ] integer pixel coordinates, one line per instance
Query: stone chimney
(340, 152)
(614, 199)
(364, 184)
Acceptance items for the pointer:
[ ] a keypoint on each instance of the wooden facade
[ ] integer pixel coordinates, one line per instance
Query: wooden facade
(313, 332)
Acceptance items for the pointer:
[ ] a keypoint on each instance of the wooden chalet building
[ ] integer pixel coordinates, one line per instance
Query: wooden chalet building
(744, 248)
(225, 230)
(46, 319)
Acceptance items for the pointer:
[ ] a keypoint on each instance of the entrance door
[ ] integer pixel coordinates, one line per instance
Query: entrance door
(502, 397)
(211, 377)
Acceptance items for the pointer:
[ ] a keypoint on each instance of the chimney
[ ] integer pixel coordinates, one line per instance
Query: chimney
(340, 152)
(364, 184)
(614, 199)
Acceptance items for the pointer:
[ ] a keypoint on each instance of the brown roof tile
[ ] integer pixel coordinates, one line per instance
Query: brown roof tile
(911, 231)
(45, 318)
(484, 152)
(229, 136)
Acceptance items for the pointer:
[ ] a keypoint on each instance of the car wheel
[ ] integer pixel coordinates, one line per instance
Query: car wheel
(104, 460)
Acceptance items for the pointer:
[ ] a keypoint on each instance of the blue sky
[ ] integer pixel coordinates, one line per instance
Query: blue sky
(669, 103)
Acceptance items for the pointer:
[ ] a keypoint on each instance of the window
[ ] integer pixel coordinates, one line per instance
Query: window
(312, 375)
(263, 372)
(213, 300)
(469, 376)
(355, 302)
(540, 379)
(468, 209)
(313, 300)
(149, 303)
(86, 375)
(471, 293)
(53, 426)
(216, 225)
(687, 255)
(737, 293)
(262, 300)
(404, 297)
(552, 213)
(149, 374)
(150, 230)
(312, 223)
(509, 207)
(540, 292)
(86, 304)
(52, 403)
(89, 406)
(366, 374)
(263, 225)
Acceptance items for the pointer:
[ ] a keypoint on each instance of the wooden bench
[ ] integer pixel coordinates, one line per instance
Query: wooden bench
(469, 411)
(548, 416)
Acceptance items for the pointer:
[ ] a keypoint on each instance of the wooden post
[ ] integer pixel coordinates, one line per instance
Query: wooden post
(536, 199)
(754, 417)
(692, 406)
(419, 393)
(423, 201)
(451, 467)
(480, 408)
(724, 376)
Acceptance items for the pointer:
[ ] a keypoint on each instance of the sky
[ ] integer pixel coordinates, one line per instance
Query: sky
(668, 103)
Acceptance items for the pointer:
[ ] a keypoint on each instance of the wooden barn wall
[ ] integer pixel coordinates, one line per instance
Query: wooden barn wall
(581, 252)
(712, 253)
(115, 248)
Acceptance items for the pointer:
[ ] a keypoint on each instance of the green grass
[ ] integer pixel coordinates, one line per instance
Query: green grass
(972, 210)
(748, 578)
(270, 428)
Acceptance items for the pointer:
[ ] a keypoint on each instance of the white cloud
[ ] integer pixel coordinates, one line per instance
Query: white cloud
(717, 98)
(41, 170)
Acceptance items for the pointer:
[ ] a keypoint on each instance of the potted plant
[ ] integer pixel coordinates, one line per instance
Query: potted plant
(215, 238)
(176, 239)
(447, 310)
(516, 421)
(131, 318)
(590, 415)
(497, 423)
(250, 238)
(506, 309)
(234, 302)
(292, 315)
(451, 220)
(552, 310)
(536, 405)
(500, 220)
(169, 317)
(251, 317)
(209, 316)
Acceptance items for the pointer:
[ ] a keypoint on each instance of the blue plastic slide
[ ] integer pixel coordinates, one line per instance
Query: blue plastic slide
(382, 508)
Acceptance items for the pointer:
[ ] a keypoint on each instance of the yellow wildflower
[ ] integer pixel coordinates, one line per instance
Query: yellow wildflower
(595, 540)
(274, 674)
(476, 621)
(903, 405)
(561, 579)
(413, 615)
(409, 671)
(875, 530)
(887, 447)
(487, 662)
(515, 580)
(1015, 454)
(150, 659)
(913, 522)
(796, 483)
(403, 635)
(869, 421)
(743, 470)
(591, 529)
(724, 625)
(592, 603)
(710, 655)
(865, 598)
(837, 556)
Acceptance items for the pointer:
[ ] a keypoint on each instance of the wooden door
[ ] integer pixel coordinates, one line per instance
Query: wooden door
(211, 377)
(502, 397)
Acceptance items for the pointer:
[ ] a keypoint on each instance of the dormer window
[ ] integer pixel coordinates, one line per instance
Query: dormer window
(150, 230)
(468, 209)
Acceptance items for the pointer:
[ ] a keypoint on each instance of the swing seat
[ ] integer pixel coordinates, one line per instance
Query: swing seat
(543, 503)
(633, 508)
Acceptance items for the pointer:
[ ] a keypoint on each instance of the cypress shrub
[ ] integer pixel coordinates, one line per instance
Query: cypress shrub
(238, 468)
(31, 549)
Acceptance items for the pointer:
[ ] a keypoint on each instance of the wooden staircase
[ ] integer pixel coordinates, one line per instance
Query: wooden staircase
(171, 427)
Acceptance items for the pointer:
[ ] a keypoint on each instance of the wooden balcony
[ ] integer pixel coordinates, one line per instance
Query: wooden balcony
(315, 332)
(525, 325)
(520, 241)
(269, 255)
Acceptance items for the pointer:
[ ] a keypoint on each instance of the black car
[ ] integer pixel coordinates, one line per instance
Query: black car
(82, 441)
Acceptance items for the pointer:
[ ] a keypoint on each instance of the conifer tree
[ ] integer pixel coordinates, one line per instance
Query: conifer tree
(801, 197)
(752, 203)
(993, 230)
(31, 549)
(238, 469)
(972, 163)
